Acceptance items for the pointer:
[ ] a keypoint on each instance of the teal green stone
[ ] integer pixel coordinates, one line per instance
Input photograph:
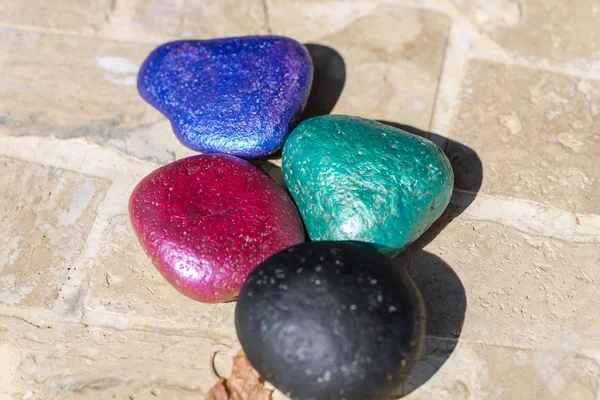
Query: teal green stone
(360, 180)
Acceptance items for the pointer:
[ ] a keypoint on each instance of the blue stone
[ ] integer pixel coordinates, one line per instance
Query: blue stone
(240, 96)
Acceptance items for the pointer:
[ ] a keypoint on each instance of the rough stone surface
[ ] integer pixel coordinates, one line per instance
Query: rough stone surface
(563, 32)
(89, 91)
(475, 368)
(393, 79)
(70, 15)
(76, 362)
(357, 179)
(70, 104)
(537, 134)
(240, 96)
(521, 290)
(45, 214)
(207, 221)
(199, 19)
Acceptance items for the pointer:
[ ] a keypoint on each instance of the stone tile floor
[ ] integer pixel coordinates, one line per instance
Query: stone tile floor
(511, 273)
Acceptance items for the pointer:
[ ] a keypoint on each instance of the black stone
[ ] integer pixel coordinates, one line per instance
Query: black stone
(331, 320)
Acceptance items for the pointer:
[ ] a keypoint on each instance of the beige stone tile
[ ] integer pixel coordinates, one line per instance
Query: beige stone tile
(125, 282)
(199, 19)
(309, 20)
(475, 371)
(77, 362)
(537, 134)
(45, 215)
(393, 79)
(69, 15)
(549, 31)
(520, 290)
(68, 87)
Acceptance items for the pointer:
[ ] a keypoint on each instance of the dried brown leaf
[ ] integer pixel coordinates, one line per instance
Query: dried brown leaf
(219, 391)
(245, 383)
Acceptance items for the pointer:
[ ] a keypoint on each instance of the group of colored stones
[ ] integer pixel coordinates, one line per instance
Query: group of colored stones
(332, 318)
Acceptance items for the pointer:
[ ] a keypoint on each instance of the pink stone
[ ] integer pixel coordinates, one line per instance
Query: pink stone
(207, 221)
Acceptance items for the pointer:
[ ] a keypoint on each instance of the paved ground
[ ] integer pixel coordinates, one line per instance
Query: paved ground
(511, 273)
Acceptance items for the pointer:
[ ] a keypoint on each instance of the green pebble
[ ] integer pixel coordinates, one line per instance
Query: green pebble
(358, 179)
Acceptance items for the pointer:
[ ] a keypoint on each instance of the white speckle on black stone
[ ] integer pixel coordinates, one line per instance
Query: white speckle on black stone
(286, 328)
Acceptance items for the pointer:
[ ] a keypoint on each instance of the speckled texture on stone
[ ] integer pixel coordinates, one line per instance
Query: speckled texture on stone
(542, 134)
(357, 179)
(45, 215)
(207, 221)
(527, 259)
(240, 96)
(326, 320)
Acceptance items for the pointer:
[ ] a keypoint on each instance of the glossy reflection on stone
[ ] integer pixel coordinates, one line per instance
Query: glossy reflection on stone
(357, 179)
(207, 221)
(240, 96)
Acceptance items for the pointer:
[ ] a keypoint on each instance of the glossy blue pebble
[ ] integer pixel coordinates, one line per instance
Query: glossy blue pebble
(240, 96)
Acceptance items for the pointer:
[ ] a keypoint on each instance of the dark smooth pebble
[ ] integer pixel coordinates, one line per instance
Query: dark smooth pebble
(331, 320)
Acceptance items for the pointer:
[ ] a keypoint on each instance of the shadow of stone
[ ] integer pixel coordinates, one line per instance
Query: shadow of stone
(445, 304)
(443, 292)
(468, 176)
(328, 80)
(468, 172)
(329, 77)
